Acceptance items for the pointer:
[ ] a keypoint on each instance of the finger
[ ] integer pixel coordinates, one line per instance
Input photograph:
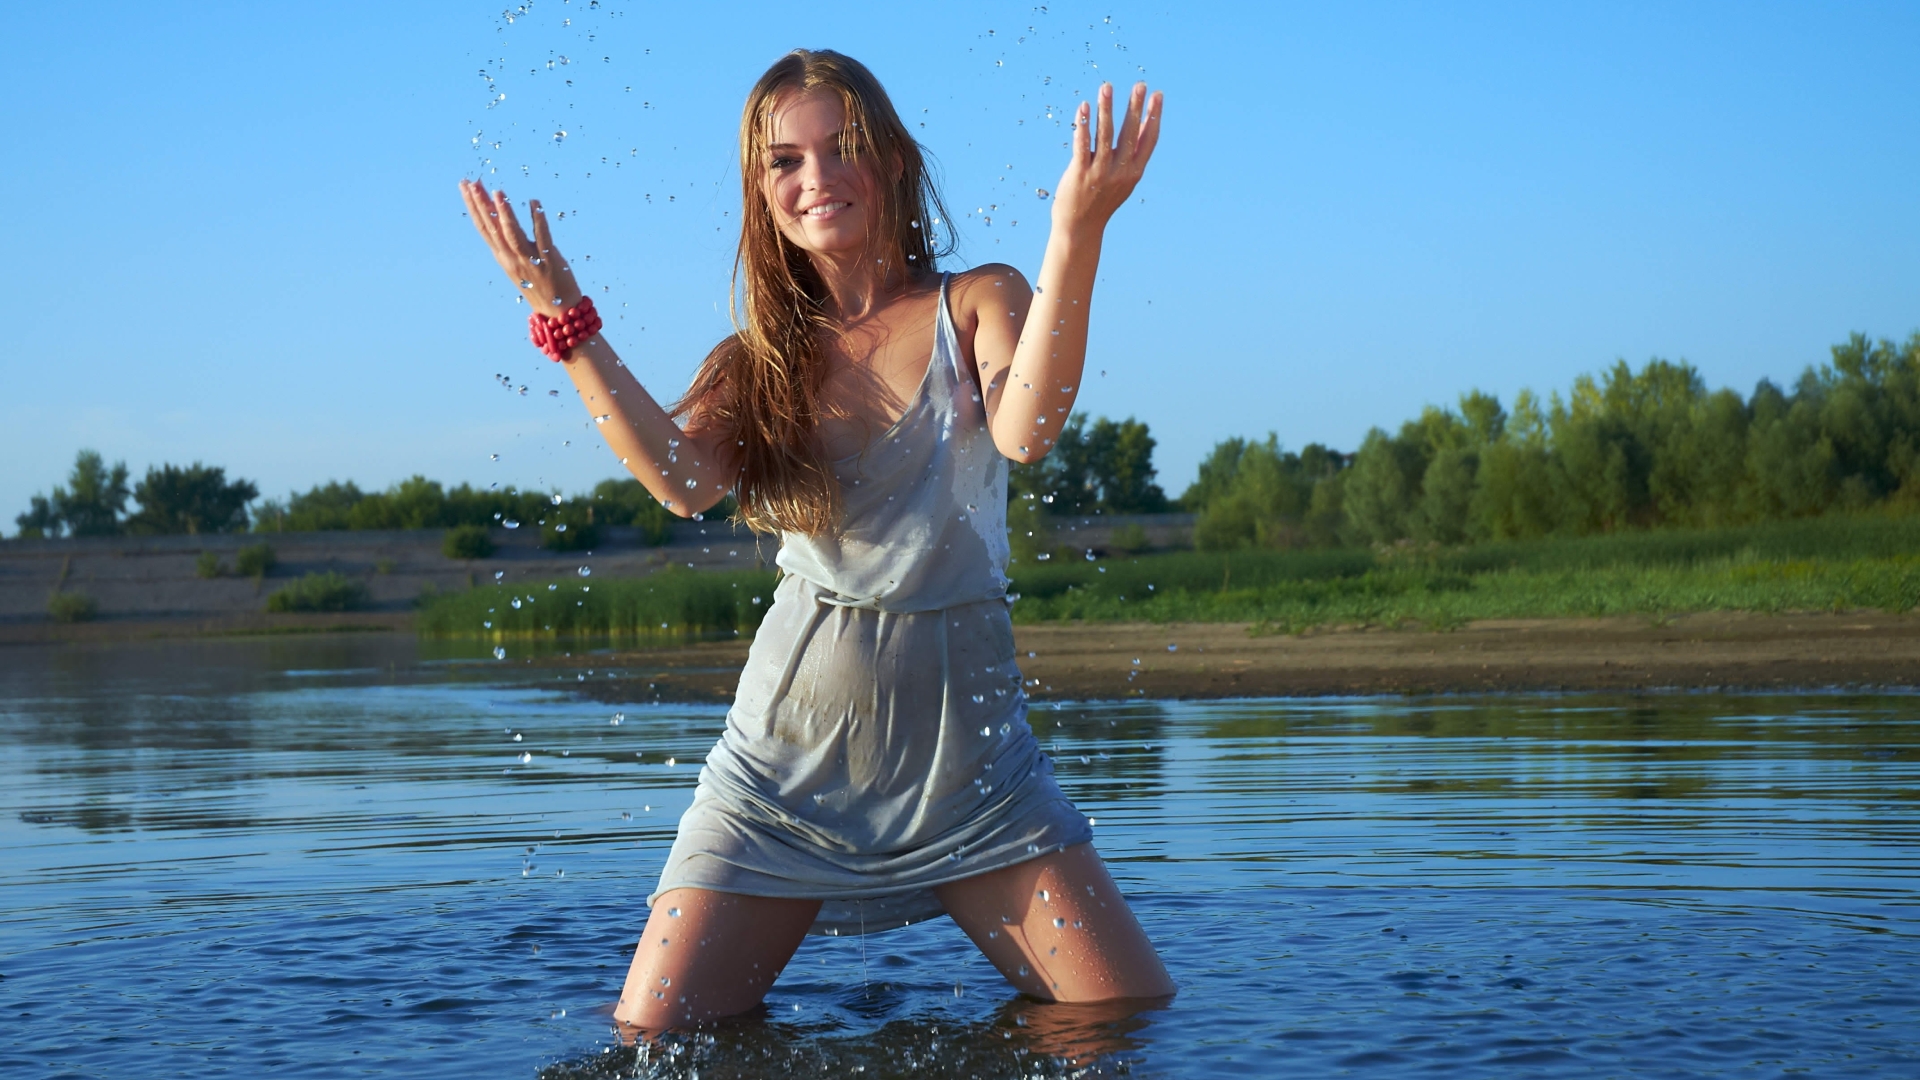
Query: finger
(1103, 134)
(1149, 135)
(477, 210)
(542, 235)
(1082, 138)
(516, 237)
(1130, 126)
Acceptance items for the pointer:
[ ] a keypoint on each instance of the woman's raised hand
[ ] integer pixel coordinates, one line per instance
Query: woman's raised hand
(533, 265)
(1105, 169)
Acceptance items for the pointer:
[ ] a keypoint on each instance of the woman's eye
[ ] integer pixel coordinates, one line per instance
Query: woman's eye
(783, 163)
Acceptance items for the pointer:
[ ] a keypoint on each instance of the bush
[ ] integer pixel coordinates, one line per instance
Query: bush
(567, 529)
(254, 560)
(208, 565)
(320, 592)
(1128, 539)
(71, 607)
(467, 542)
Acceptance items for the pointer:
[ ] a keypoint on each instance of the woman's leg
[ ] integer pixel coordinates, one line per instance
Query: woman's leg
(1058, 928)
(707, 954)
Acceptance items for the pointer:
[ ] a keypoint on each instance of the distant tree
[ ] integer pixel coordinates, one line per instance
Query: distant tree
(195, 500)
(40, 521)
(90, 504)
(625, 502)
(324, 507)
(1120, 456)
(1106, 466)
(1255, 494)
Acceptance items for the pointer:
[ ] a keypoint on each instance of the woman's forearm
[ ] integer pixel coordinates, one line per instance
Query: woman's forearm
(680, 470)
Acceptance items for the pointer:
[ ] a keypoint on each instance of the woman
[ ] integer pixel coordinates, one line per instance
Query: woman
(877, 767)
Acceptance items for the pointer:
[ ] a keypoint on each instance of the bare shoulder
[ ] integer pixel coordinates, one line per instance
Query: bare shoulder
(995, 284)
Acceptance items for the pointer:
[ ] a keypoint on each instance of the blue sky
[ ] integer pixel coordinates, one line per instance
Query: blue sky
(236, 237)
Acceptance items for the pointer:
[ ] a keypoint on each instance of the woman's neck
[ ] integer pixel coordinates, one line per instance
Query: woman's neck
(855, 283)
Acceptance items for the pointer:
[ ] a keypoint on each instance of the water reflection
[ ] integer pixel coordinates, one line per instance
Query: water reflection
(207, 839)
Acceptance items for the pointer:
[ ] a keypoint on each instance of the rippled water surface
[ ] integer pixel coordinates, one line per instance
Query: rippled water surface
(326, 857)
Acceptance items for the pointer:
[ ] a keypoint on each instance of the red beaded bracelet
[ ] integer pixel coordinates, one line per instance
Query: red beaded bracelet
(557, 336)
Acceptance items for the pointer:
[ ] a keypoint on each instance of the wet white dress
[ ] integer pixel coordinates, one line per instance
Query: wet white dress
(878, 743)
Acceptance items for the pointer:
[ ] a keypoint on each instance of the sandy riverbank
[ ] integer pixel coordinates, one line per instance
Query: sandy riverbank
(1117, 660)
(1085, 661)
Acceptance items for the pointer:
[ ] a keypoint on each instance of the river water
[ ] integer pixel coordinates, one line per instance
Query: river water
(326, 856)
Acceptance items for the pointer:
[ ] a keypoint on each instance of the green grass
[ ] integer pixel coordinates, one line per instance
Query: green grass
(1818, 565)
(72, 607)
(467, 542)
(1821, 564)
(320, 592)
(671, 605)
(254, 560)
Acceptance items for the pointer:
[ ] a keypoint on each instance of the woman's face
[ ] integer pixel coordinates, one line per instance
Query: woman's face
(820, 200)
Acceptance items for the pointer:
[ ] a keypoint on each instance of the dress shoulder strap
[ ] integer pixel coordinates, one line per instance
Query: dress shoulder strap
(945, 337)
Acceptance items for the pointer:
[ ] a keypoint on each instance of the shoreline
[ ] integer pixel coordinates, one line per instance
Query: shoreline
(1097, 661)
(1085, 661)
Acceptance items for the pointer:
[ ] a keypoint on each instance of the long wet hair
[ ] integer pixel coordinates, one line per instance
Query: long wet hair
(762, 386)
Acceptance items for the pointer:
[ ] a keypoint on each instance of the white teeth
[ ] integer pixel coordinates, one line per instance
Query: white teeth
(825, 208)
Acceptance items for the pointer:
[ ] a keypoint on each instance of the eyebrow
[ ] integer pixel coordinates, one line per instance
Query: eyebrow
(836, 136)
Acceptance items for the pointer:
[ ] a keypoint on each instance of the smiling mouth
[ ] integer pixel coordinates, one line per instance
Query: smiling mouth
(823, 209)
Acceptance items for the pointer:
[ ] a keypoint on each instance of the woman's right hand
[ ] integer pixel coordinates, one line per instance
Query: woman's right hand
(533, 265)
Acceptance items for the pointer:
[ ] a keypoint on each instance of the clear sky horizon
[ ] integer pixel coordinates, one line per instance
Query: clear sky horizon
(238, 239)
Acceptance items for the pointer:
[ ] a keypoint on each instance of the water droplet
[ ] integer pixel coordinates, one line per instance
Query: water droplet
(498, 574)
(1042, 192)
(525, 756)
(517, 736)
(1033, 849)
(586, 571)
(673, 912)
(1059, 923)
(602, 418)
(618, 719)
(977, 699)
(986, 731)
(516, 603)
(670, 763)
(499, 652)
(510, 524)
(1043, 895)
(526, 284)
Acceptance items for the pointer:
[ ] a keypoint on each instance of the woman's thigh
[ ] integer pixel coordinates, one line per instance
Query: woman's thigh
(707, 954)
(1058, 928)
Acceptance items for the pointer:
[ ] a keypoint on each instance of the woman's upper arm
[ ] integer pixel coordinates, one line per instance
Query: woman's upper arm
(993, 300)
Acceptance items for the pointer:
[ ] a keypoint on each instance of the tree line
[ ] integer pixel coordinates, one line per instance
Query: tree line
(1102, 466)
(1621, 450)
(199, 499)
(1624, 450)
(173, 499)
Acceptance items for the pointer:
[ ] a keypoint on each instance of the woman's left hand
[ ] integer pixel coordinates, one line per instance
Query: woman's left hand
(1104, 170)
(531, 263)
